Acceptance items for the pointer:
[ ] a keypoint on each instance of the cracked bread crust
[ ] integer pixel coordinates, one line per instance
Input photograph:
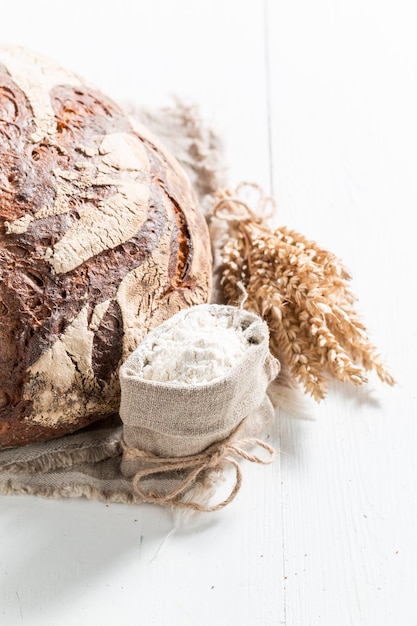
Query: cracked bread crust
(101, 239)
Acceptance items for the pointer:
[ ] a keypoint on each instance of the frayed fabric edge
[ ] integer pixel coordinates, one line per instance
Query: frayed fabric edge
(73, 488)
(97, 442)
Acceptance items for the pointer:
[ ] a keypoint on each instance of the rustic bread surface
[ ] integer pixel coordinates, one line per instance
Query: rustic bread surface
(101, 239)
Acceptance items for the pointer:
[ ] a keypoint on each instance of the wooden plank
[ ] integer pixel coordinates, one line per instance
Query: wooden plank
(81, 562)
(343, 101)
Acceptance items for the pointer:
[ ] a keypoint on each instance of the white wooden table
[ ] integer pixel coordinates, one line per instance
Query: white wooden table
(317, 102)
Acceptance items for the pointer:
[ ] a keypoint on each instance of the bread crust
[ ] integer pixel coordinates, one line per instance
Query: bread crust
(101, 238)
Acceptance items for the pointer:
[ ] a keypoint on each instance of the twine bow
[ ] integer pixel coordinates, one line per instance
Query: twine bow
(233, 207)
(215, 457)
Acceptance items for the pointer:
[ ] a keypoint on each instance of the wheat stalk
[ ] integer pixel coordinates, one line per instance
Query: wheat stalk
(302, 292)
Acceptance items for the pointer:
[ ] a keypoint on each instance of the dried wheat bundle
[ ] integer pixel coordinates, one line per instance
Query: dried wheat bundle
(303, 294)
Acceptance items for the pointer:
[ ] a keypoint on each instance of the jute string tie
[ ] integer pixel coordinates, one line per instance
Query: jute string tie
(215, 457)
(231, 206)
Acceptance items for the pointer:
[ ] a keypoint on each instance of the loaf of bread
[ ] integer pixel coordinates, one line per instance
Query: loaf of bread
(101, 239)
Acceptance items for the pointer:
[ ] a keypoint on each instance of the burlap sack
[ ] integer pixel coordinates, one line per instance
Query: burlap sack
(174, 431)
